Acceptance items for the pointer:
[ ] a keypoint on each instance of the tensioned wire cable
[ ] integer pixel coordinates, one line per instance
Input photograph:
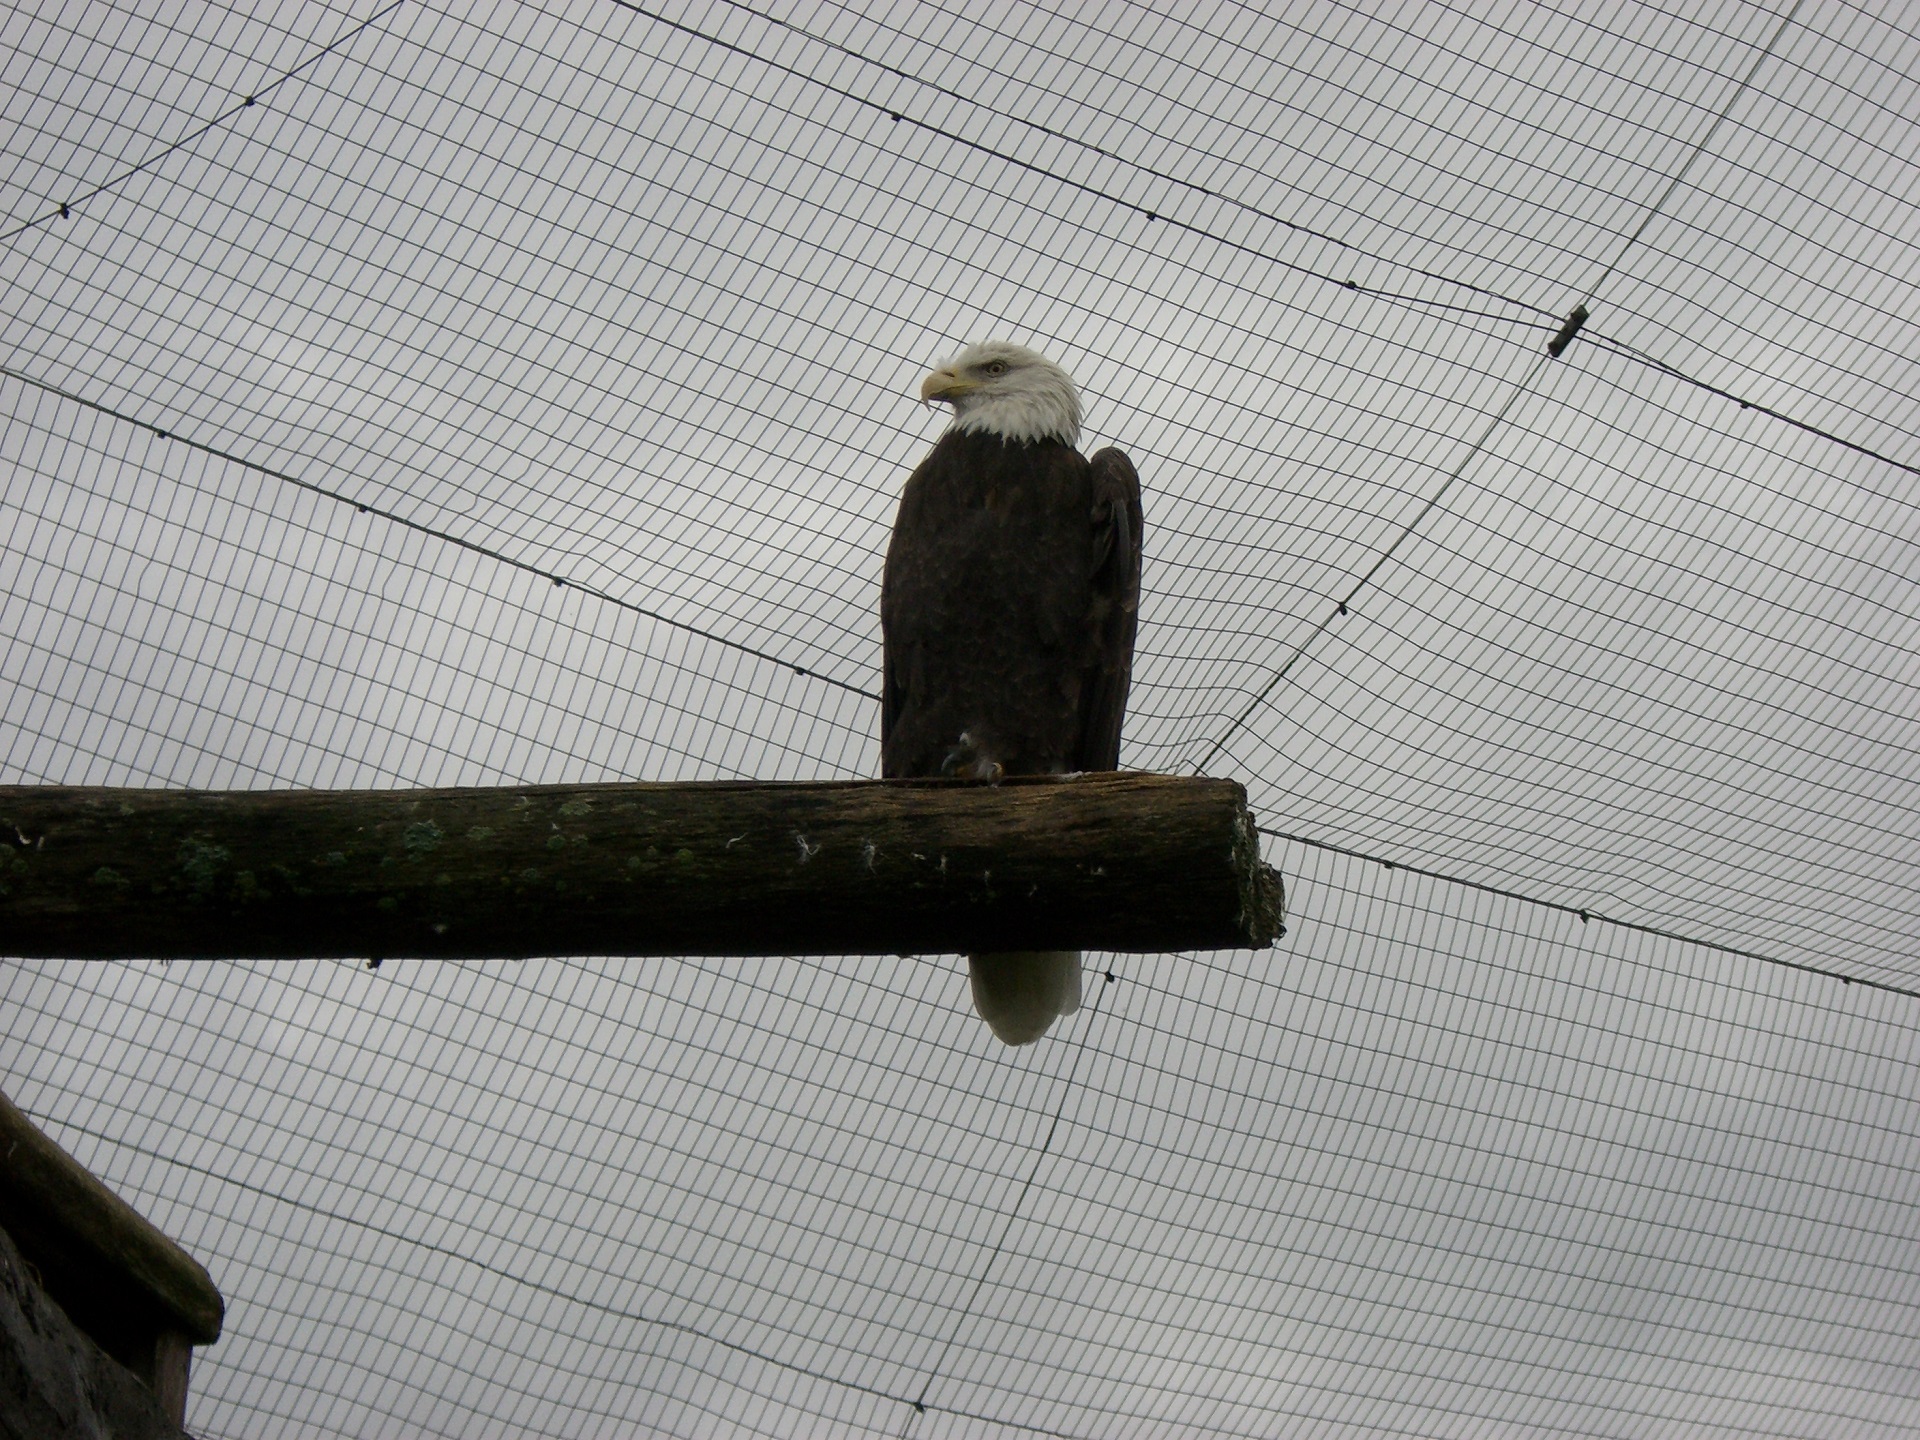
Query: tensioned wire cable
(1423, 303)
(394, 517)
(63, 210)
(1080, 1047)
(1587, 914)
(1575, 321)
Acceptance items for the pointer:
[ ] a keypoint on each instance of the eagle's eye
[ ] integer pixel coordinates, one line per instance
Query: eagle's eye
(995, 367)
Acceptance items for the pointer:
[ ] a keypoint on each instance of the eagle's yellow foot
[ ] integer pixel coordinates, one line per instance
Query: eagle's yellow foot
(967, 761)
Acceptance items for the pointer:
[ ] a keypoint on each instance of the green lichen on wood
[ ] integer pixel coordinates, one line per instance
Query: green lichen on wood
(420, 838)
(199, 865)
(289, 881)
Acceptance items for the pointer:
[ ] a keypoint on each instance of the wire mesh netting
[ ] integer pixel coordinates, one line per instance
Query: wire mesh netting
(498, 394)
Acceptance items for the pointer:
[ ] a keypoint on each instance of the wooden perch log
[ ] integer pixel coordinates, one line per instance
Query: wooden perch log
(1094, 862)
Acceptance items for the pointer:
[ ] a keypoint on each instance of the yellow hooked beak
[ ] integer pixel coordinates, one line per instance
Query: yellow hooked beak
(946, 384)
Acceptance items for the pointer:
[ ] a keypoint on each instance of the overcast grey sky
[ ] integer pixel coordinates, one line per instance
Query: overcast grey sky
(638, 297)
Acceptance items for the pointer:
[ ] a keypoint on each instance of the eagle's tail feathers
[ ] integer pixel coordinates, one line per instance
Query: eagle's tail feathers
(1020, 993)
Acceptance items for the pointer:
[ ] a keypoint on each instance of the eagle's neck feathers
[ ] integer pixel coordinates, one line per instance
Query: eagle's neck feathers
(1038, 410)
(1001, 389)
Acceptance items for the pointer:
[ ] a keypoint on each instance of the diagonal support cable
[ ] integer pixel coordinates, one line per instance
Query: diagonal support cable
(1555, 347)
(919, 1402)
(65, 208)
(1524, 384)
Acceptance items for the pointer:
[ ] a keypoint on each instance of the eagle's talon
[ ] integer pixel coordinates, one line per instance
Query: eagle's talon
(966, 761)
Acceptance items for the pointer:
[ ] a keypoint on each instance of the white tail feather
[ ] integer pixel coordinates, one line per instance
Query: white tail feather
(1020, 993)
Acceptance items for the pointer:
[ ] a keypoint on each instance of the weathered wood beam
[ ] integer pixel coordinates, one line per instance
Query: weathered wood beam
(139, 1296)
(1096, 862)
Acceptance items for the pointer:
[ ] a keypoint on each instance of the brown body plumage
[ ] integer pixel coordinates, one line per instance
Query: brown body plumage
(1008, 608)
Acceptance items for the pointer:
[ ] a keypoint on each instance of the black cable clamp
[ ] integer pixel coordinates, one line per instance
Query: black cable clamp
(1567, 331)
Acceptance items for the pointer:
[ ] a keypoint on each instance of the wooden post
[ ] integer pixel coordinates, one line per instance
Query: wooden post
(135, 1293)
(1096, 862)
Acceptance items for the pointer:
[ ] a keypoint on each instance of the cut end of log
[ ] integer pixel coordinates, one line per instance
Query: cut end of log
(1262, 915)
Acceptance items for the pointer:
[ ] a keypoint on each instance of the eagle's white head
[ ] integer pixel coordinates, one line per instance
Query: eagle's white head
(1007, 390)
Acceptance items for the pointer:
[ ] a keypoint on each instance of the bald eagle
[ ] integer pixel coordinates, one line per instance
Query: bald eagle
(1007, 614)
